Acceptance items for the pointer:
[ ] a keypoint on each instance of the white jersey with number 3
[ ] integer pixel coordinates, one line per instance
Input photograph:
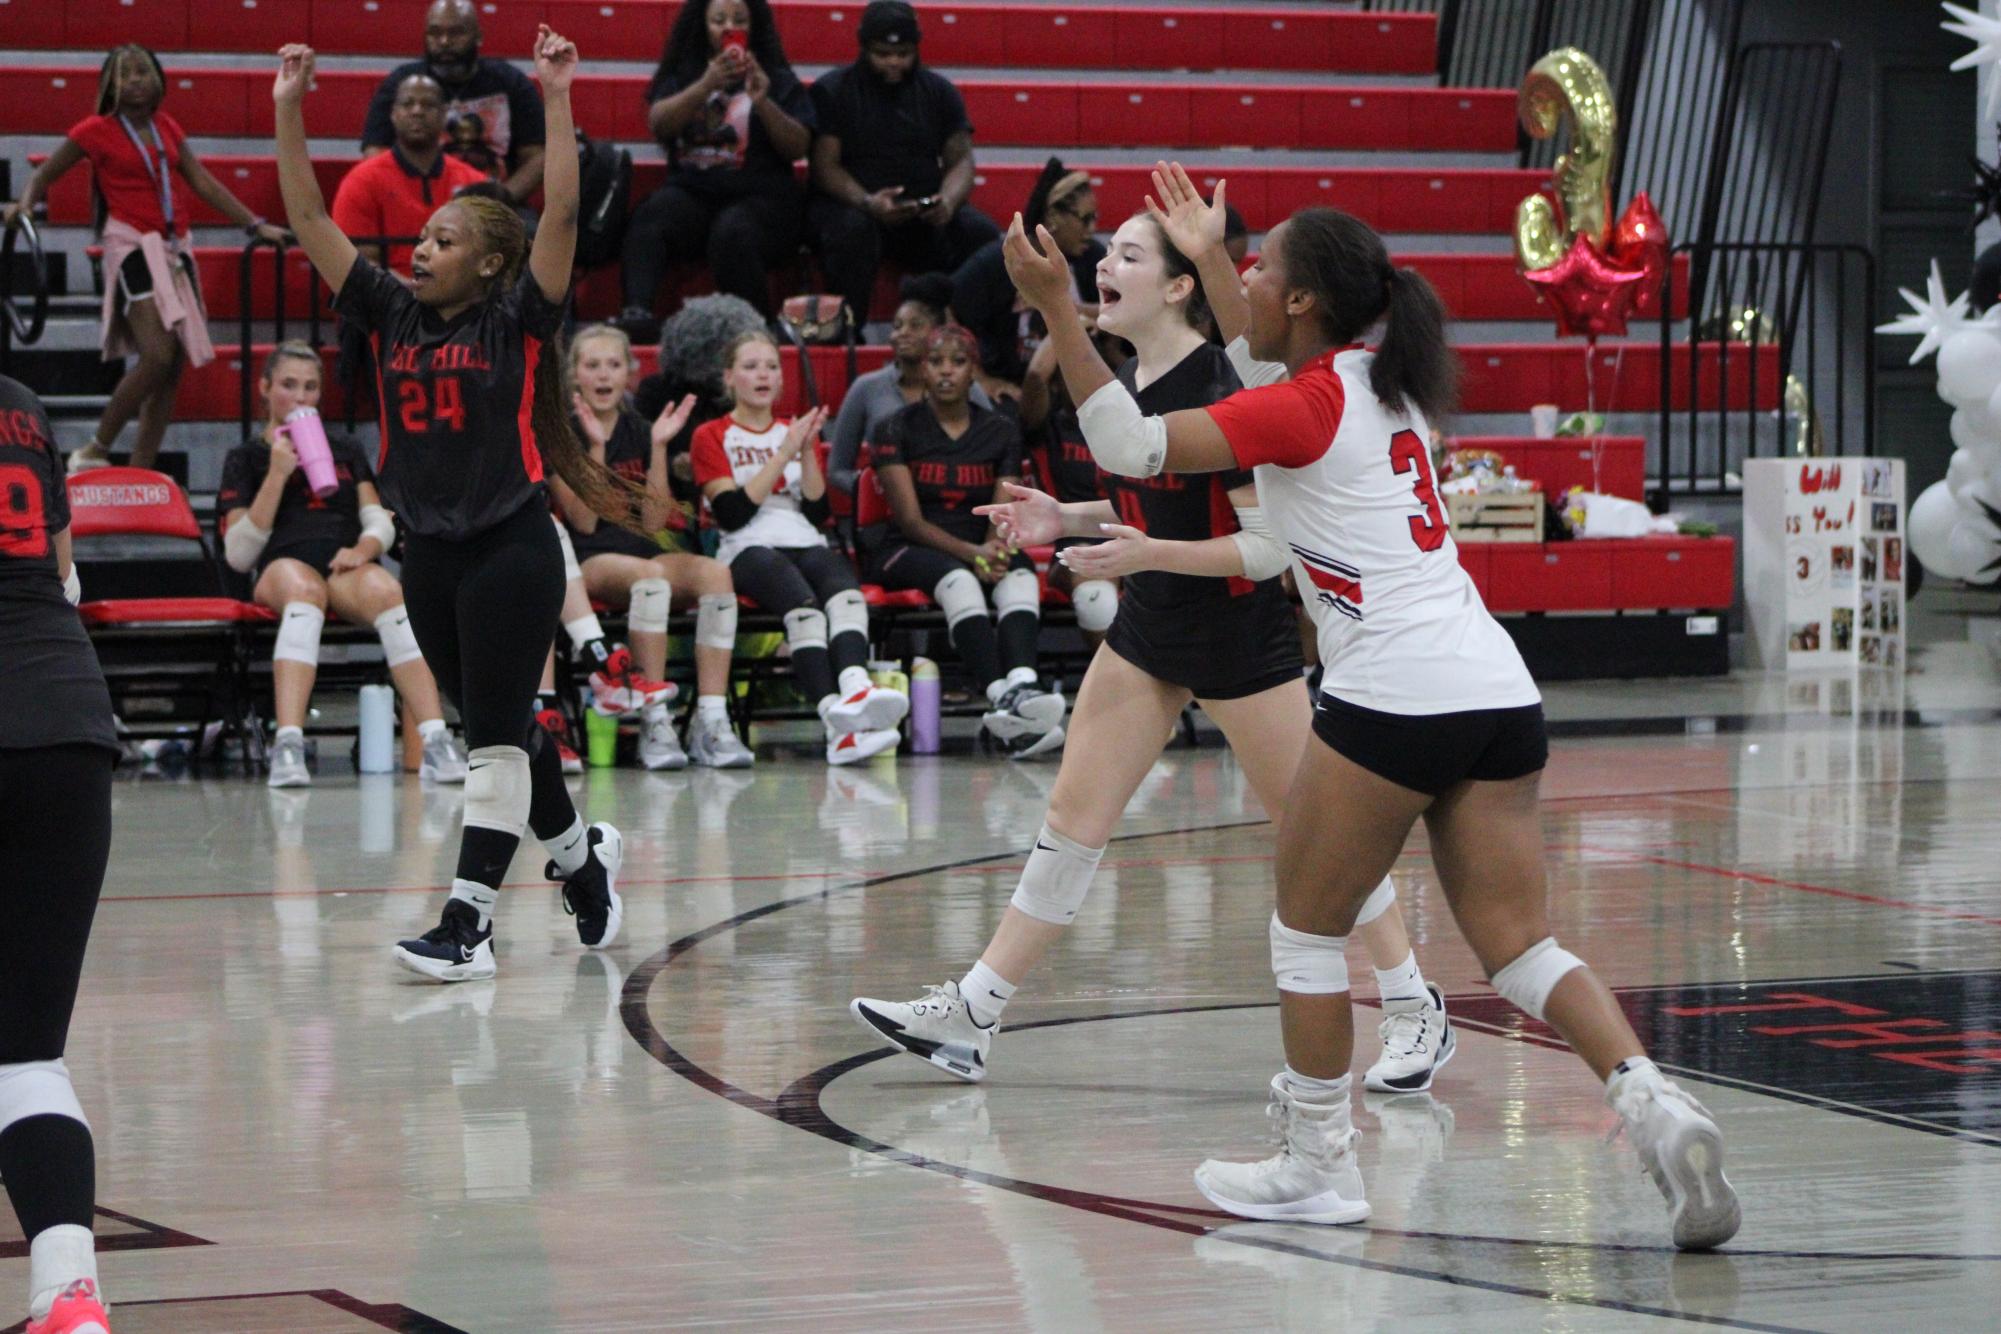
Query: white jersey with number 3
(1348, 486)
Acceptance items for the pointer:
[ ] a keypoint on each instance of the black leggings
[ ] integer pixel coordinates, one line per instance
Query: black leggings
(484, 611)
(987, 661)
(785, 579)
(55, 838)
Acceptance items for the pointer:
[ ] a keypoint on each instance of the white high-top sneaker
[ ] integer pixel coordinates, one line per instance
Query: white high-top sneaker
(1682, 1150)
(936, 1026)
(1313, 1178)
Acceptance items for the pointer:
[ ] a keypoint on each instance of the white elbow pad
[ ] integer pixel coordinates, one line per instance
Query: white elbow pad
(1124, 440)
(1251, 371)
(1265, 557)
(380, 524)
(243, 543)
(72, 587)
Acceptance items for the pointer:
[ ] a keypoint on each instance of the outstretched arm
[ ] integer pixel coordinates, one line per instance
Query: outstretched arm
(555, 252)
(325, 244)
(67, 155)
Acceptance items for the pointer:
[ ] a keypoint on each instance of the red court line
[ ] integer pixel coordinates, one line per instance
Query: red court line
(1853, 895)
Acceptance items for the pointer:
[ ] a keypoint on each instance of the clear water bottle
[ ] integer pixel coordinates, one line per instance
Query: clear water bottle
(378, 729)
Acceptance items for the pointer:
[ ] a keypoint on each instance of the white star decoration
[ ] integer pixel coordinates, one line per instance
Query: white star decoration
(1986, 34)
(1930, 315)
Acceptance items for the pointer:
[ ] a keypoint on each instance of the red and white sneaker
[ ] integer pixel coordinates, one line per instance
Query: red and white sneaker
(553, 722)
(617, 688)
(872, 708)
(854, 747)
(76, 1311)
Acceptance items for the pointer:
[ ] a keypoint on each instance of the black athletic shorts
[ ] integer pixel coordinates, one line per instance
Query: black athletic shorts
(317, 553)
(1432, 752)
(135, 277)
(1230, 651)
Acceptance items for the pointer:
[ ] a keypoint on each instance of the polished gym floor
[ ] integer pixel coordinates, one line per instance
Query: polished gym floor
(1794, 885)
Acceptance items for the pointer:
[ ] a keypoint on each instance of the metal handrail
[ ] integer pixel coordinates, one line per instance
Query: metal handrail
(20, 329)
(246, 271)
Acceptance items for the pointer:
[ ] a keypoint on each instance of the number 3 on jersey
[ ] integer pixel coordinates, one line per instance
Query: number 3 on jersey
(1407, 451)
(436, 401)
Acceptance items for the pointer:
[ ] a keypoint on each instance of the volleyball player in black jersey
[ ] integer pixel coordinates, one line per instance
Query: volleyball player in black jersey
(1189, 624)
(1069, 473)
(55, 837)
(468, 365)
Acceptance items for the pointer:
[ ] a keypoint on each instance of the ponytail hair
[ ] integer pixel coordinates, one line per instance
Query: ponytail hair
(613, 498)
(1343, 263)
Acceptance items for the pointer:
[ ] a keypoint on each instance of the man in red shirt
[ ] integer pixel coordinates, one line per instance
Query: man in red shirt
(395, 193)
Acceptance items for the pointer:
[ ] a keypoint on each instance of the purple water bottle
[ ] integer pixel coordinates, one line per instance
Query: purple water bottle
(926, 700)
(308, 435)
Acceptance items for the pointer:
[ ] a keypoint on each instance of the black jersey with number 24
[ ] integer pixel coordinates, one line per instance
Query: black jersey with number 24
(48, 670)
(458, 453)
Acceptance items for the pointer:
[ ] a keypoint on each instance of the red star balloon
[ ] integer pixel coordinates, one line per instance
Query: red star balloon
(1640, 241)
(1590, 294)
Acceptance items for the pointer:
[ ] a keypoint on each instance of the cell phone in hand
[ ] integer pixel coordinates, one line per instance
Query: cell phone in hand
(737, 40)
(929, 201)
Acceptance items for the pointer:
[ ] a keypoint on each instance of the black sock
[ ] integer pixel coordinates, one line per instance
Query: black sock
(974, 638)
(848, 649)
(484, 854)
(50, 1168)
(597, 652)
(816, 677)
(550, 810)
(1018, 632)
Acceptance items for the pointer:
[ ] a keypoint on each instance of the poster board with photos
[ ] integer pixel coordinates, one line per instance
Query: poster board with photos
(1824, 563)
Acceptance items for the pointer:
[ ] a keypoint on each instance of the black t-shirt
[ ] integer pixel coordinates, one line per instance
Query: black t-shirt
(488, 119)
(628, 453)
(47, 666)
(1073, 474)
(891, 134)
(1182, 507)
(951, 476)
(458, 454)
(983, 297)
(305, 525)
(724, 149)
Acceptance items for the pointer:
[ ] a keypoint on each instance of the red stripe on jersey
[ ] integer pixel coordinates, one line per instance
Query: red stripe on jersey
(524, 420)
(1222, 523)
(1339, 585)
(381, 402)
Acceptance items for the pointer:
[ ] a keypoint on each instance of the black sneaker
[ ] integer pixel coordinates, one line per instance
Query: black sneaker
(455, 950)
(589, 895)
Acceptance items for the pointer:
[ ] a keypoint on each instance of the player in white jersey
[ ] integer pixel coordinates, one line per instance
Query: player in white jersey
(1426, 709)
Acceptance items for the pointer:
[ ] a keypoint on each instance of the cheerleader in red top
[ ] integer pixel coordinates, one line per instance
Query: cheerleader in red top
(142, 170)
(1426, 711)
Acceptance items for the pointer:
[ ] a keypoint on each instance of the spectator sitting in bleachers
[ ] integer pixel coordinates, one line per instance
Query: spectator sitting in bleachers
(983, 296)
(493, 115)
(892, 163)
(882, 393)
(141, 172)
(762, 485)
(621, 569)
(308, 555)
(939, 461)
(395, 193)
(733, 118)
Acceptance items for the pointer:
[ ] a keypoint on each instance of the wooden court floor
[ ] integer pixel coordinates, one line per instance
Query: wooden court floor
(1796, 889)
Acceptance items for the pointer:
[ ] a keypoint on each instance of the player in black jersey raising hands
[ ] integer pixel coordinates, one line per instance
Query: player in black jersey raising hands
(468, 366)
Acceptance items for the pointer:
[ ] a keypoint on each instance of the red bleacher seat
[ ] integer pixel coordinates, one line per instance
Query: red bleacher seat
(138, 502)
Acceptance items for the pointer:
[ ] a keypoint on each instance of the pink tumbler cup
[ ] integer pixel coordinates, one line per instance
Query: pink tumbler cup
(308, 435)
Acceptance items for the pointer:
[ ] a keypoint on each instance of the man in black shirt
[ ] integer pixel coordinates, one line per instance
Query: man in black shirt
(493, 115)
(893, 162)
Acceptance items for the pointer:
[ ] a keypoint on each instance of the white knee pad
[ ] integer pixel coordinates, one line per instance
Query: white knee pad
(37, 1088)
(958, 596)
(806, 627)
(497, 786)
(1308, 965)
(399, 641)
(571, 570)
(652, 599)
(1380, 901)
(1096, 602)
(1018, 590)
(847, 613)
(299, 628)
(715, 621)
(1056, 879)
(1528, 981)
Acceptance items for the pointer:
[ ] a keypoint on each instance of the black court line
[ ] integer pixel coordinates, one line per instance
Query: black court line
(799, 1107)
(149, 1236)
(389, 1315)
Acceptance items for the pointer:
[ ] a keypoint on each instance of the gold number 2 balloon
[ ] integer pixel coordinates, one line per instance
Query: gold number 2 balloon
(1568, 81)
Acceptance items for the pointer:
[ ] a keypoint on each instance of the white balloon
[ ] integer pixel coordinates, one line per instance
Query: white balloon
(1993, 414)
(1930, 524)
(1963, 471)
(1973, 427)
(1969, 367)
(1974, 552)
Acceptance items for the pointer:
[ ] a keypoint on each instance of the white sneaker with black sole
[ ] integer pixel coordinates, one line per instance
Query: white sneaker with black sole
(1682, 1150)
(937, 1026)
(455, 950)
(1313, 1178)
(1417, 1042)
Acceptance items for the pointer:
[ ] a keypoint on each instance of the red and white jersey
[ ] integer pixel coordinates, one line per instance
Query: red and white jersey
(1348, 486)
(726, 448)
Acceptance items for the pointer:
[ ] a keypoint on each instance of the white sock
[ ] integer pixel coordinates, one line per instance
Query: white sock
(583, 630)
(1635, 1067)
(712, 707)
(58, 1257)
(571, 848)
(986, 994)
(653, 711)
(290, 734)
(1323, 1091)
(1404, 981)
(481, 897)
(431, 728)
(1022, 676)
(854, 679)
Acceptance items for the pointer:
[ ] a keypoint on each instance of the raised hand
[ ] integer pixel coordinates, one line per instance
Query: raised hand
(1029, 518)
(588, 423)
(804, 429)
(1040, 275)
(295, 74)
(555, 61)
(1194, 227)
(671, 419)
(1124, 551)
